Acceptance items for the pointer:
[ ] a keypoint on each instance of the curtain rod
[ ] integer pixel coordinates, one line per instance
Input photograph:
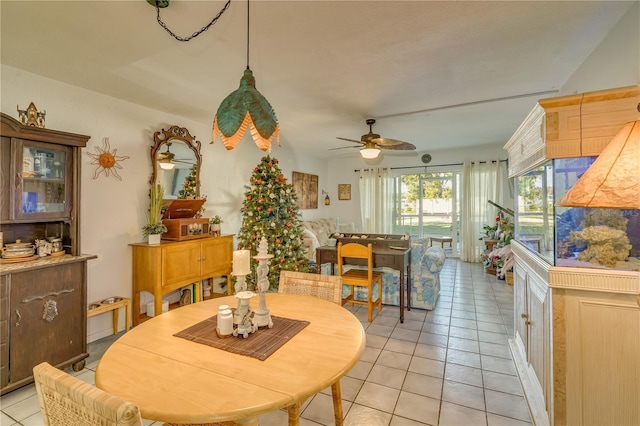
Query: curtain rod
(433, 165)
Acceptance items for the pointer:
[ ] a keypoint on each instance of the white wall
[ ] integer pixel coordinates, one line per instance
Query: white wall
(615, 62)
(113, 211)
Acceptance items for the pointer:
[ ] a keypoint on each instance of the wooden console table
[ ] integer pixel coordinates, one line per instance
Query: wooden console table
(170, 265)
(383, 256)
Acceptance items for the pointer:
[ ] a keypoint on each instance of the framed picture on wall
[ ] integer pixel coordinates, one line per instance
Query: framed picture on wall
(306, 187)
(344, 191)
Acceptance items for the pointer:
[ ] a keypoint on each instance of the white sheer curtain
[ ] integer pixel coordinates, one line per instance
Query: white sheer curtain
(481, 182)
(376, 200)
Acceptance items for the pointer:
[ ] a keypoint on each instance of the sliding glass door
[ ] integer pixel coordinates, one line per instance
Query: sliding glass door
(428, 206)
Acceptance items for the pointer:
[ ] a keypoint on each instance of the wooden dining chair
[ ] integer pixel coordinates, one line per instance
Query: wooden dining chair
(360, 277)
(68, 401)
(327, 287)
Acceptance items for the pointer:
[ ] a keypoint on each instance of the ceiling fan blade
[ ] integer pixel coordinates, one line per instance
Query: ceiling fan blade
(388, 142)
(350, 140)
(343, 147)
(402, 146)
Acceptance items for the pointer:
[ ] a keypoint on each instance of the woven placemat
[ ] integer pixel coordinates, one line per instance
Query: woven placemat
(260, 344)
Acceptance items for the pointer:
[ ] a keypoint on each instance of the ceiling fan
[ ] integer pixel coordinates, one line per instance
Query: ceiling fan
(167, 159)
(373, 143)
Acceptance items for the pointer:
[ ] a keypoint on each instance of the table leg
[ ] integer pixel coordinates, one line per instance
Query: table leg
(115, 320)
(294, 414)
(402, 284)
(409, 286)
(336, 395)
(127, 317)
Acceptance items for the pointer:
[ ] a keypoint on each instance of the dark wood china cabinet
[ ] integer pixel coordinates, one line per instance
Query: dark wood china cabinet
(43, 301)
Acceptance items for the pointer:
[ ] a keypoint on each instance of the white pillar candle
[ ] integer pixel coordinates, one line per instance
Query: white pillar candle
(241, 262)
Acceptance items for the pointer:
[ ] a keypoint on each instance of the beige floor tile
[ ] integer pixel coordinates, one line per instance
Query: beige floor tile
(360, 370)
(463, 374)
(360, 415)
(463, 344)
(494, 349)
(469, 359)
(496, 420)
(400, 346)
(417, 407)
(464, 323)
(426, 366)
(378, 397)
(370, 354)
(22, 409)
(433, 339)
(394, 359)
(379, 330)
(320, 409)
(502, 382)
(423, 385)
(462, 394)
(463, 333)
(387, 376)
(403, 421)
(410, 325)
(433, 328)
(499, 365)
(456, 415)
(404, 334)
(374, 341)
(487, 336)
(507, 405)
(432, 352)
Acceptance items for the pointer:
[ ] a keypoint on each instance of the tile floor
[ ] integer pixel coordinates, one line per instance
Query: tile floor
(449, 366)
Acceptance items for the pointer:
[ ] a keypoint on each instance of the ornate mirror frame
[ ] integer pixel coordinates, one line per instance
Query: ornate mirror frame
(175, 134)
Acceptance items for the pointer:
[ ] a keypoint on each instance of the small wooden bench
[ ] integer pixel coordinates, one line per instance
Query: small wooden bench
(441, 240)
(112, 304)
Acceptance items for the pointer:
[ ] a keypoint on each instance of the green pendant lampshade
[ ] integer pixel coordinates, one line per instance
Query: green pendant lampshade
(246, 107)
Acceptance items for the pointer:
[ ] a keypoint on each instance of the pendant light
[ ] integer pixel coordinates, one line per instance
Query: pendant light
(246, 107)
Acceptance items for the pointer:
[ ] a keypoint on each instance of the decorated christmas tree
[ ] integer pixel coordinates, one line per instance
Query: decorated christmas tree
(270, 210)
(189, 186)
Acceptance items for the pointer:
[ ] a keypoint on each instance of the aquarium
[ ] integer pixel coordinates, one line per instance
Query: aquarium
(534, 219)
(592, 237)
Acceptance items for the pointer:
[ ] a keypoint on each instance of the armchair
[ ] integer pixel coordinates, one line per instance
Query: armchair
(426, 264)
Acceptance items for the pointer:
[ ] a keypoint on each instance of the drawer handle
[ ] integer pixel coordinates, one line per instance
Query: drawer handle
(524, 316)
(527, 322)
(53, 293)
(19, 318)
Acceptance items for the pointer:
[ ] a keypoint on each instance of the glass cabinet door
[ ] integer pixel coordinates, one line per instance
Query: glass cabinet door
(43, 180)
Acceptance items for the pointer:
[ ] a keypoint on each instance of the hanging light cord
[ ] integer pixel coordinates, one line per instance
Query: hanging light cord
(247, 34)
(197, 33)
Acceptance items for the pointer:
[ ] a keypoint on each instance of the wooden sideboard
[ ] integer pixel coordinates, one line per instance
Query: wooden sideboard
(170, 265)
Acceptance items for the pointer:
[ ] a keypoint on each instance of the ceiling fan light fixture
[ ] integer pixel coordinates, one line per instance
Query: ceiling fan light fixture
(166, 164)
(369, 153)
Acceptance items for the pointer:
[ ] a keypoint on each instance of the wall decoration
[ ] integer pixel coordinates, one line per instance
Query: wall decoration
(106, 160)
(306, 187)
(31, 116)
(344, 191)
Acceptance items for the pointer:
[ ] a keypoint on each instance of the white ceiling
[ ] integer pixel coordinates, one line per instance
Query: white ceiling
(325, 66)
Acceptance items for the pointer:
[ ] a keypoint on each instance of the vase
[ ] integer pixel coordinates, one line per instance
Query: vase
(215, 229)
(154, 239)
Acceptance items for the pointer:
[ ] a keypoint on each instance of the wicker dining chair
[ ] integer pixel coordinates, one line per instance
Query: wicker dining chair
(327, 287)
(68, 401)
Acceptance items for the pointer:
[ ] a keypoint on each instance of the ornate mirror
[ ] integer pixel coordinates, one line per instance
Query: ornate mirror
(175, 162)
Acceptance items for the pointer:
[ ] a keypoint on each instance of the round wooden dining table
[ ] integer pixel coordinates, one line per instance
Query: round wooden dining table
(176, 380)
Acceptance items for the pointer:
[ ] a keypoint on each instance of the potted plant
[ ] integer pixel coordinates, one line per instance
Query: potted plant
(154, 227)
(214, 225)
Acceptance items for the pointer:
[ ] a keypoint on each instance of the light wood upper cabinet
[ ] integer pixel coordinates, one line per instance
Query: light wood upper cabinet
(582, 125)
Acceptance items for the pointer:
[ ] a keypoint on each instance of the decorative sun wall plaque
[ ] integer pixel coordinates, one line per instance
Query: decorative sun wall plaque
(306, 187)
(344, 191)
(105, 160)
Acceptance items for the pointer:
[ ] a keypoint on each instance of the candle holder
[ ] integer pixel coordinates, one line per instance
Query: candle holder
(262, 315)
(242, 316)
